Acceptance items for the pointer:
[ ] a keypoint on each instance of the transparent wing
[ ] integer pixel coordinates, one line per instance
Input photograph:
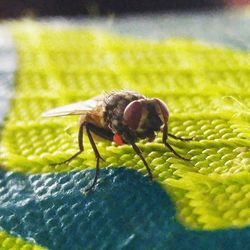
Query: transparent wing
(78, 108)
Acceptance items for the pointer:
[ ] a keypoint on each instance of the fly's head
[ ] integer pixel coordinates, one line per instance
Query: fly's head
(144, 117)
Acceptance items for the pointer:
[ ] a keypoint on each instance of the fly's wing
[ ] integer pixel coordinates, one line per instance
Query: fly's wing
(78, 108)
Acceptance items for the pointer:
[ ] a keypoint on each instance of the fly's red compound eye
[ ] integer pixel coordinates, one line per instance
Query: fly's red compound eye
(163, 109)
(132, 114)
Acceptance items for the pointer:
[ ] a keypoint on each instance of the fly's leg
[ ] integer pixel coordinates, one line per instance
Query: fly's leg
(80, 143)
(180, 138)
(175, 153)
(164, 140)
(139, 153)
(89, 127)
(103, 133)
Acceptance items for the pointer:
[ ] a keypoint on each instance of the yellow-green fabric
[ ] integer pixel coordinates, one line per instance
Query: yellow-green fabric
(205, 87)
(9, 242)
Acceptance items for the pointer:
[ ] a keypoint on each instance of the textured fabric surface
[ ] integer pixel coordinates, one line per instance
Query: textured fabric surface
(8, 242)
(206, 89)
(126, 211)
(7, 69)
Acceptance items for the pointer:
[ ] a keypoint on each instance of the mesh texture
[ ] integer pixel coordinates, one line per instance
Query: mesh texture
(8, 242)
(205, 88)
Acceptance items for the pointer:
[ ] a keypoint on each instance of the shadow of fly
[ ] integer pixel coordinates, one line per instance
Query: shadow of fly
(123, 117)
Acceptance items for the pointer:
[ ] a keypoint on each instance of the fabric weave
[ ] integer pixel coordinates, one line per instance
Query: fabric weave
(204, 86)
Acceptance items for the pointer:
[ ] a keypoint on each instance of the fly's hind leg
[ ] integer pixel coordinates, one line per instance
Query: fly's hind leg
(104, 134)
(80, 143)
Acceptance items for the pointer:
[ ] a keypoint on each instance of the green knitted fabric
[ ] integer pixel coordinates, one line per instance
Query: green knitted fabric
(8, 242)
(205, 87)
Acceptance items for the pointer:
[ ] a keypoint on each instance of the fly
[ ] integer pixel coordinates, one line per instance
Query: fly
(123, 117)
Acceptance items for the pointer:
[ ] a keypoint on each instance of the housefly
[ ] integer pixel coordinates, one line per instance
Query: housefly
(123, 117)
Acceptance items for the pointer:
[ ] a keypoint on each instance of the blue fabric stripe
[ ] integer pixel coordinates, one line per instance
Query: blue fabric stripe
(126, 211)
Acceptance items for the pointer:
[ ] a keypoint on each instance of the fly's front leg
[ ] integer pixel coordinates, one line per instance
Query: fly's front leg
(80, 143)
(175, 153)
(164, 140)
(180, 138)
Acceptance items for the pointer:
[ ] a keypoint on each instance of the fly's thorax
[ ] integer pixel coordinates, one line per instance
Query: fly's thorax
(115, 104)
